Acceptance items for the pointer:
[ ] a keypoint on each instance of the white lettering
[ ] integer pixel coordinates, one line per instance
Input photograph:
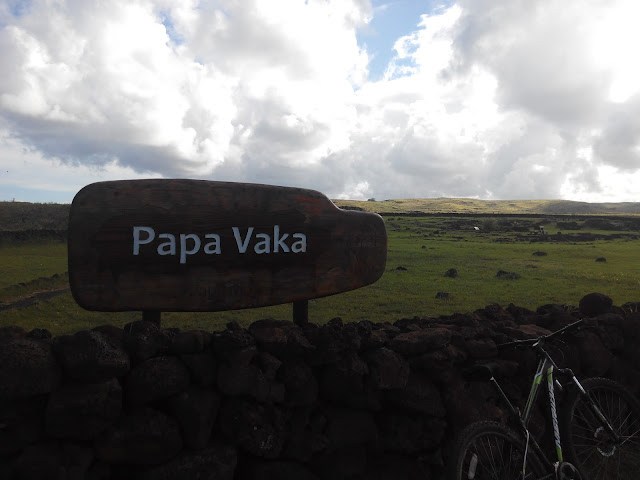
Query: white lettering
(169, 247)
(137, 241)
(242, 244)
(301, 244)
(212, 247)
(264, 246)
(278, 241)
(191, 243)
(183, 245)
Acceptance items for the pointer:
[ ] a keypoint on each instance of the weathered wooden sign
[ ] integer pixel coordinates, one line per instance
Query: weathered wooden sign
(191, 245)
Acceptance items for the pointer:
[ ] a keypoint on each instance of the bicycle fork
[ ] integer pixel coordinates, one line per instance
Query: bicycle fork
(563, 470)
(596, 411)
(554, 412)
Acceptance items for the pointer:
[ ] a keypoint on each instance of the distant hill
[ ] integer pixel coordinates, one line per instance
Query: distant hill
(473, 206)
(24, 216)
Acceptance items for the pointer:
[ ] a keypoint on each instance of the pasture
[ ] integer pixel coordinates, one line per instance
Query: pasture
(558, 267)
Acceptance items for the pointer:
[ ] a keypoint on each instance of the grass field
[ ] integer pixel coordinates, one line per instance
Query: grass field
(491, 207)
(424, 247)
(25, 262)
(20, 216)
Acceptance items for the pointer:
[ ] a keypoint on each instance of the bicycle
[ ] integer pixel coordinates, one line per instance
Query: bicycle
(599, 428)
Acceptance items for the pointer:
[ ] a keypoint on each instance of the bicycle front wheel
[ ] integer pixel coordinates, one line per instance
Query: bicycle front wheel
(491, 451)
(593, 451)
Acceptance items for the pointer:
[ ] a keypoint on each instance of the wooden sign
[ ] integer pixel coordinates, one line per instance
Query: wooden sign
(192, 245)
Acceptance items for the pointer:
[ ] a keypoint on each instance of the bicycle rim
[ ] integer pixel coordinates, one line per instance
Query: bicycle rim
(491, 451)
(595, 452)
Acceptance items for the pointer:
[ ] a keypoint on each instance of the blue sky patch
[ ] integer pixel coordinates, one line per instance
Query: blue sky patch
(392, 20)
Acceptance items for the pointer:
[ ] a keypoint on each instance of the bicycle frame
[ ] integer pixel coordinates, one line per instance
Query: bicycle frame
(546, 367)
(545, 364)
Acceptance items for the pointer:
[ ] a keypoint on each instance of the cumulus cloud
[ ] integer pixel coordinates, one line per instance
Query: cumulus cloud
(483, 98)
(618, 143)
(565, 69)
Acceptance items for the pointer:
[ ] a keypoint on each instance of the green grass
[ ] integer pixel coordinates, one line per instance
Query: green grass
(22, 216)
(504, 207)
(28, 261)
(426, 246)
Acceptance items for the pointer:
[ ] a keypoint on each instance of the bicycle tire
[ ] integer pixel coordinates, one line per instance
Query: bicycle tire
(489, 450)
(592, 451)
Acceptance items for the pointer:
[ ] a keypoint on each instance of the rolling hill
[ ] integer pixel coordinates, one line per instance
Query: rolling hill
(22, 216)
(499, 207)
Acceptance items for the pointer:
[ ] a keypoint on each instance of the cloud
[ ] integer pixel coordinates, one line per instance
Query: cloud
(564, 67)
(618, 144)
(25, 171)
(488, 99)
(541, 54)
(94, 81)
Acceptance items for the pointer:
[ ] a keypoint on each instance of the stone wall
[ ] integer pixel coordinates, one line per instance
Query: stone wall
(277, 401)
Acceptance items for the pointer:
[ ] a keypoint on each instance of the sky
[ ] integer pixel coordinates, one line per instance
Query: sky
(358, 99)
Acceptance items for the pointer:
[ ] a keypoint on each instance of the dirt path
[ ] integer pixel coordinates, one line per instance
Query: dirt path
(33, 299)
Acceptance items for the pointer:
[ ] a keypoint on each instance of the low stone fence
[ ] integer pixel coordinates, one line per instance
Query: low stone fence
(276, 400)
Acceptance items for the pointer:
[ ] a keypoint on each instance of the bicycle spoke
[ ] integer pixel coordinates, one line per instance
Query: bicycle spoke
(598, 452)
(491, 451)
(492, 461)
(589, 453)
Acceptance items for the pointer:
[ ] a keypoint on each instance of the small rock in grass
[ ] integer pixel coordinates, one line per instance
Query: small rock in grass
(507, 275)
(601, 259)
(451, 273)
